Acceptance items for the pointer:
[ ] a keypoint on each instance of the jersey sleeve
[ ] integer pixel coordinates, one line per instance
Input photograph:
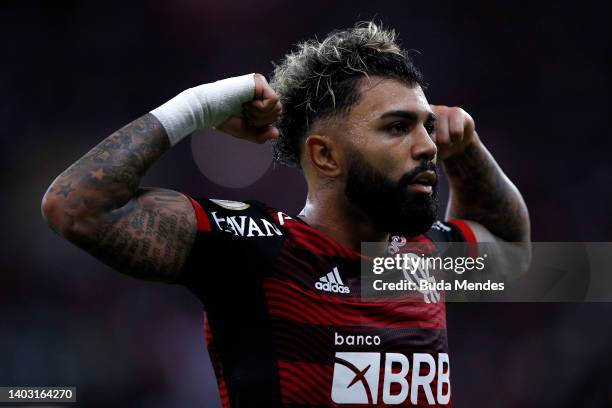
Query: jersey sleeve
(232, 238)
(453, 230)
(465, 232)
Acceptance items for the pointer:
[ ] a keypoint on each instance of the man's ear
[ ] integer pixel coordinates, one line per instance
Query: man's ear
(324, 155)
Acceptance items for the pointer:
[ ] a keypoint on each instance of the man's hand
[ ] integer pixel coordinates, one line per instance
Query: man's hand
(455, 130)
(257, 123)
(479, 189)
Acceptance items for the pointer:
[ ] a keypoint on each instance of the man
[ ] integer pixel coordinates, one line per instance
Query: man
(285, 324)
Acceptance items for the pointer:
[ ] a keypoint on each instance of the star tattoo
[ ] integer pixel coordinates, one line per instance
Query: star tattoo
(98, 174)
(65, 189)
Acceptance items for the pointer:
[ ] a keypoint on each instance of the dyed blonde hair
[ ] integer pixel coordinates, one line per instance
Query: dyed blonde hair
(320, 79)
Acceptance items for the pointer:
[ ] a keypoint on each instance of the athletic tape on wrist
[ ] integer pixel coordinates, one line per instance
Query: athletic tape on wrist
(204, 106)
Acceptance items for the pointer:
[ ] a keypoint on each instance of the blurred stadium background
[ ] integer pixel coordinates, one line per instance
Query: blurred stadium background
(534, 75)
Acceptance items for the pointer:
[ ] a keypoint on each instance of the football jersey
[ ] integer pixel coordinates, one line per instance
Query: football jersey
(286, 325)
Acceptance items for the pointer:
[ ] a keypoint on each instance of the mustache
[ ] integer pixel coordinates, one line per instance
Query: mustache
(409, 177)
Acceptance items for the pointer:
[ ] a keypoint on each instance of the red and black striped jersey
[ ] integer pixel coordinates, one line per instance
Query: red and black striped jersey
(285, 324)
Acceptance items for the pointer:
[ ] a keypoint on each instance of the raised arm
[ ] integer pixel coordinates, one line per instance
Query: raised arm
(147, 233)
(480, 192)
(479, 189)
(97, 205)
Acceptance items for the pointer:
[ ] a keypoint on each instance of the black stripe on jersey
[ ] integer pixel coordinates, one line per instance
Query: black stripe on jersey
(226, 273)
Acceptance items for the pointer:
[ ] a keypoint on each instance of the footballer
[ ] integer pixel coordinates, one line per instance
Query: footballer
(285, 325)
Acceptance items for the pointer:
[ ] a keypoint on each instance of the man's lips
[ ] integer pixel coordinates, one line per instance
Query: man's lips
(428, 178)
(424, 182)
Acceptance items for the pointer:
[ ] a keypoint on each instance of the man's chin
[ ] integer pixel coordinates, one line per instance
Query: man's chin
(415, 220)
(411, 229)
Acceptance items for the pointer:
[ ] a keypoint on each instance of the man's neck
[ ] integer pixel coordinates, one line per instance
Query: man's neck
(341, 221)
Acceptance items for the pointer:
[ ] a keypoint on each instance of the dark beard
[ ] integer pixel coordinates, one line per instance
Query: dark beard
(390, 205)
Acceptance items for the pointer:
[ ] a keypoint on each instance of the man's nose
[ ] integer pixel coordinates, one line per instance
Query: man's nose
(423, 147)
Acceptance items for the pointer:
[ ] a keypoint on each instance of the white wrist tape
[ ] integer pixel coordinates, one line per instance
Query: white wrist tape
(204, 106)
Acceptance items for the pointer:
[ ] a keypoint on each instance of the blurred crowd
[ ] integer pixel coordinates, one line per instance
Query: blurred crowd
(534, 76)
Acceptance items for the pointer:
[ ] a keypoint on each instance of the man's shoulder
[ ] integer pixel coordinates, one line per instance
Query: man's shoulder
(248, 218)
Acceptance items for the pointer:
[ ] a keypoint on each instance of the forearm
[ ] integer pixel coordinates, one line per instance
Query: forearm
(481, 192)
(108, 176)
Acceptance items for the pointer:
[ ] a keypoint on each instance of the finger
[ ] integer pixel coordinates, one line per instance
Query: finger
(442, 137)
(456, 125)
(258, 113)
(266, 133)
(264, 105)
(254, 113)
(260, 122)
(268, 92)
(261, 135)
(258, 119)
(438, 110)
(233, 125)
(260, 85)
(240, 128)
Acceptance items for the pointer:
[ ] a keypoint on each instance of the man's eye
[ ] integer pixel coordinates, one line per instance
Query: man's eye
(397, 128)
(430, 128)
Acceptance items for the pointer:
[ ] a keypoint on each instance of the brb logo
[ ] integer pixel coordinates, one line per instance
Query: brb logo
(356, 378)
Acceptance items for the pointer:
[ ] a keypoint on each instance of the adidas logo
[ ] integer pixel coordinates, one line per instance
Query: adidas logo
(332, 283)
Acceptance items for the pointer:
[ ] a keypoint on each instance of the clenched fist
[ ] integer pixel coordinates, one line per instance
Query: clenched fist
(455, 130)
(259, 115)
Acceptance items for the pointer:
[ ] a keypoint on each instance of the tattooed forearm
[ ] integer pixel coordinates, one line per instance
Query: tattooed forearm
(96, 204)
(481, 192)
(117, 164)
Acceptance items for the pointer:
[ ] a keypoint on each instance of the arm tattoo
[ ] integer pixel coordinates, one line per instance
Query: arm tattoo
(65, 190)
(146, 233)
(481, 192)
(144, 239)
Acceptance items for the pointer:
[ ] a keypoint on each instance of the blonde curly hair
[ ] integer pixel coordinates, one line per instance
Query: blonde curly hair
(320, 79)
